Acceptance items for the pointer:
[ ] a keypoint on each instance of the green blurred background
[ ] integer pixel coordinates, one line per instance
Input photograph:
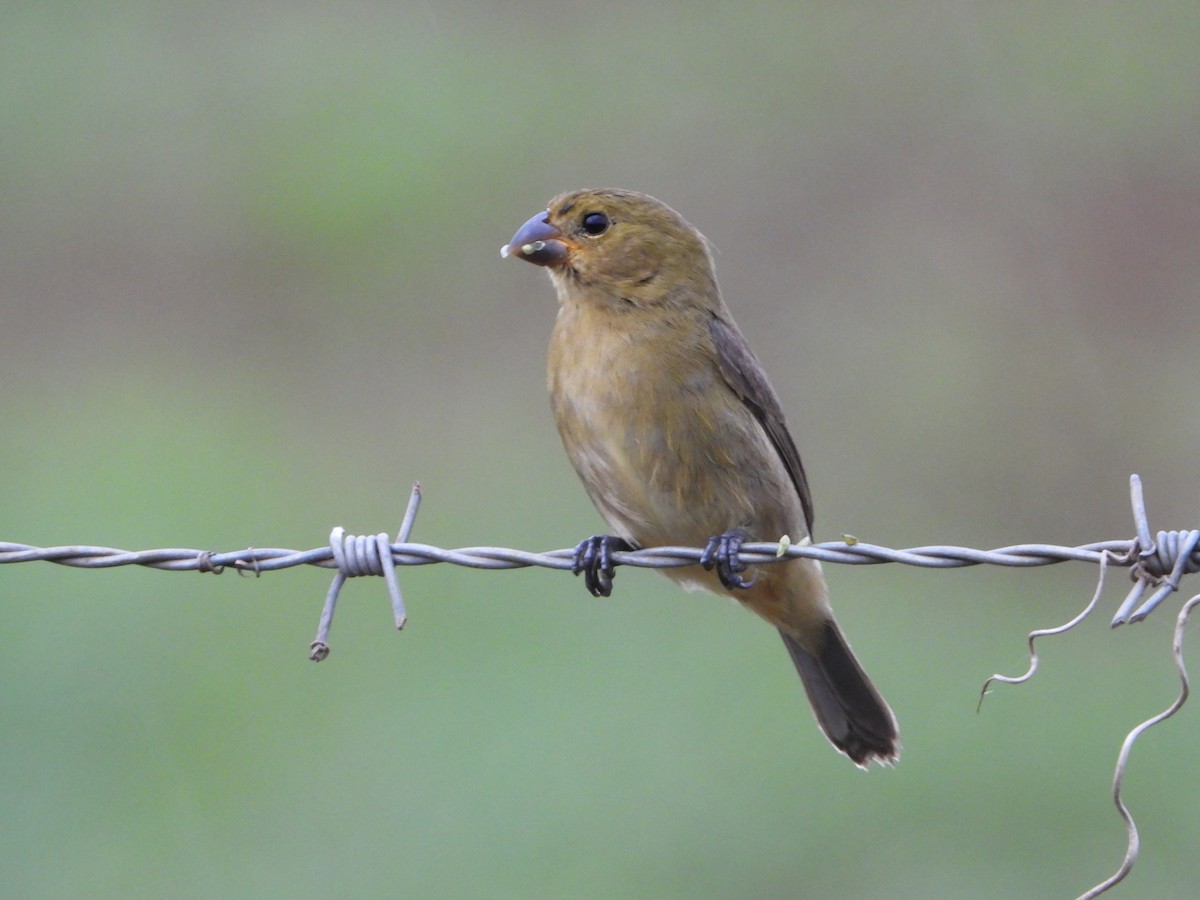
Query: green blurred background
(250, 288)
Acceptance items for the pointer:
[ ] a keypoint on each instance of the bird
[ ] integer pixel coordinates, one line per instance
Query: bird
(679, 438)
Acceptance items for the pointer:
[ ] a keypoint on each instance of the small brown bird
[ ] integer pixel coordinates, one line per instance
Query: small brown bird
(678, 437)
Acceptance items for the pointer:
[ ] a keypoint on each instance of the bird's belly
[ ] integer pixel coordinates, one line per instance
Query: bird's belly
(676, 473)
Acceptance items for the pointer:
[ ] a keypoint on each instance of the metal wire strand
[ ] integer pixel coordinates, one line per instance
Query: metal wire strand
(404, 553)
(1172, 555)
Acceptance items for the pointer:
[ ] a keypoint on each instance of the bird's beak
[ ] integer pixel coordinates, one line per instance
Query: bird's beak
(538, 242)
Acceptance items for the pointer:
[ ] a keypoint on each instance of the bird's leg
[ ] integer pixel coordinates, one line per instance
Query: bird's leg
(721, 553)
(593, 557)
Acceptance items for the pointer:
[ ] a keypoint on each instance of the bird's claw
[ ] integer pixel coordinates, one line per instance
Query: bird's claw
(593, 558)
(721, 553)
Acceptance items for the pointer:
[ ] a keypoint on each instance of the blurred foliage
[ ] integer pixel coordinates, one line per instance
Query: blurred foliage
(250, 289)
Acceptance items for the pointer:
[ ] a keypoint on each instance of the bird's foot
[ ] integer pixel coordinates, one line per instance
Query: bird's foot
(593, 557)
(721, 553)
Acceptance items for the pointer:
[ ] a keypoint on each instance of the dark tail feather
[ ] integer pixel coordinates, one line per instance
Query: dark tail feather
(848, 708)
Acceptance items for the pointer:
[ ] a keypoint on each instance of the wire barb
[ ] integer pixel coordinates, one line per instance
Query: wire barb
(357, 555)
(1159, 562)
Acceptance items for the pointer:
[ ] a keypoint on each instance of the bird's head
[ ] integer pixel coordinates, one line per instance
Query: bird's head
(618, 244)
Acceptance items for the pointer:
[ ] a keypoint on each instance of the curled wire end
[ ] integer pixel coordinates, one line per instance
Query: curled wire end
(1133, 844)
(1045, 632)
(318, 651)
(1013, 679)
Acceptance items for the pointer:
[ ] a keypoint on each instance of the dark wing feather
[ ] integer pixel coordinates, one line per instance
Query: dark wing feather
(744, 374)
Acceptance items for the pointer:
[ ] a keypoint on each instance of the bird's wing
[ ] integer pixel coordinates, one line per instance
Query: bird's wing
(744, 374)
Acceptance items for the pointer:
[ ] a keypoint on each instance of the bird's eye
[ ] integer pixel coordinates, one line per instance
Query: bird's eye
(595, 223)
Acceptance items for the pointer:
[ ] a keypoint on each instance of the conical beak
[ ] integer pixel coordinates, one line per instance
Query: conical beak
(538, 242)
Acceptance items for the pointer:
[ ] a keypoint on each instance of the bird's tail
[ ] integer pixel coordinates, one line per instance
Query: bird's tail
(855, 718)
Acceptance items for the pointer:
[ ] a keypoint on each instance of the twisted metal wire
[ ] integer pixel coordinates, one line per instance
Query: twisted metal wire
(1172, 555)
(1157, 562)
(403, 553)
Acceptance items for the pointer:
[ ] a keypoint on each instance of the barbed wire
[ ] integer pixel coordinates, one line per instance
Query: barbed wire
(848, 551)
(1158, 562)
